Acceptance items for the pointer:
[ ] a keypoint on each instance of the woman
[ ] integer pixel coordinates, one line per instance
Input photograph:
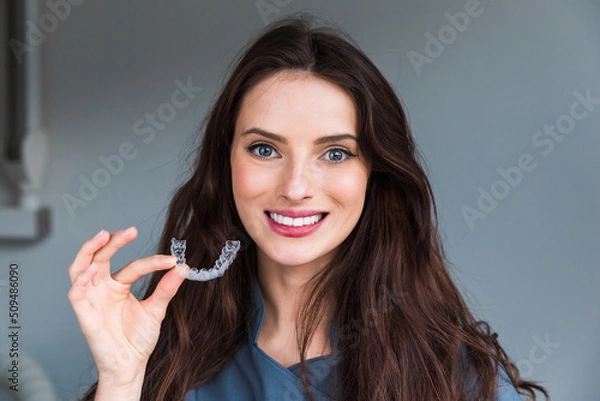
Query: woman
(341, 289)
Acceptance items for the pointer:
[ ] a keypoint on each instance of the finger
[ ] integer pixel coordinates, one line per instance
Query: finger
(156, 304)
(141, 267)
(80, 284)
(117, 240)
(86, 254)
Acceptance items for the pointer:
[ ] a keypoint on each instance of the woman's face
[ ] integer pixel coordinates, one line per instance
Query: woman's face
(299, 179)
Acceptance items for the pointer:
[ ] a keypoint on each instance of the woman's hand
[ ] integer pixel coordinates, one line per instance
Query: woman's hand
(120, 330)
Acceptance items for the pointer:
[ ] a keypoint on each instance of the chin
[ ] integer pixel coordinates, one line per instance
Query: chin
(289, 257)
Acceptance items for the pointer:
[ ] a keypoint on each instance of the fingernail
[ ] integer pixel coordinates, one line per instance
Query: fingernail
(183, 272)
(100, 233)
(128, 231)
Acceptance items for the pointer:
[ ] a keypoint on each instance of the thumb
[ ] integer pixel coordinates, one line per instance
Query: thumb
(156, 304)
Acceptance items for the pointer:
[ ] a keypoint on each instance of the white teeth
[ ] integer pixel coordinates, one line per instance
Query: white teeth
(295, 222)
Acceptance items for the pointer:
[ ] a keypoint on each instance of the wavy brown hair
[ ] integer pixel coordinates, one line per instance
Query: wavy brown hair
(404, 331)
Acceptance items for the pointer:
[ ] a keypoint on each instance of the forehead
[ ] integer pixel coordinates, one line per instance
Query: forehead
(290, 101)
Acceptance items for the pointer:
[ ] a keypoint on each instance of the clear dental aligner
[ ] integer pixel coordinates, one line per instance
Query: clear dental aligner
(228, 254)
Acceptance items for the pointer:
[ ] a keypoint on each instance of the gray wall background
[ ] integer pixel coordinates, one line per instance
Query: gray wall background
(530, 267)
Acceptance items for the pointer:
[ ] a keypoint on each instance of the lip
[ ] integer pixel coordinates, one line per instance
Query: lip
(296, 213)
(295, 232)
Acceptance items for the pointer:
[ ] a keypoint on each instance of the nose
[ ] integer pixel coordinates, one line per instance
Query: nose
(296, 182)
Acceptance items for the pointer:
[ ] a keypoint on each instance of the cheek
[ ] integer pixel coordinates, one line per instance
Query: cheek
(350, 188)
(248, 182)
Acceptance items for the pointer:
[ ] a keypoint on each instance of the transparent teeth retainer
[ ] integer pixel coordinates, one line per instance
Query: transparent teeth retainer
(228, 254)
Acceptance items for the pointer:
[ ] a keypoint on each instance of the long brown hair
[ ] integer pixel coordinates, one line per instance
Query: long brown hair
(404, 331)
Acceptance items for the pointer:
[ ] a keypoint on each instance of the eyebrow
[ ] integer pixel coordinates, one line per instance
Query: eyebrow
(279, 138)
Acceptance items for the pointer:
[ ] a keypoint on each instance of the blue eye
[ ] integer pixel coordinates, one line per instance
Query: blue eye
(337, 155)
(264, 150)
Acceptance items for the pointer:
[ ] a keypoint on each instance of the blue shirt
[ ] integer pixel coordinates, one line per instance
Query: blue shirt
(254, 375)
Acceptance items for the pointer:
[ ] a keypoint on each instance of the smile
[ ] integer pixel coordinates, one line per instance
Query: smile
(295, 222)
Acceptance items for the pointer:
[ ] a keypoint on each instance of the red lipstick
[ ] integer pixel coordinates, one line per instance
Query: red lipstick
(296, 213)
(295, 232)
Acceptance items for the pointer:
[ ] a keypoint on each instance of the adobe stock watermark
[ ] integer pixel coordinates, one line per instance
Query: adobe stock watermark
(447, 34)
(146, 128)
(537, 355)
(544, 139)
(266, 8)
(37, 32)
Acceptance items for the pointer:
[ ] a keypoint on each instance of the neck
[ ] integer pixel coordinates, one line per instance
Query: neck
(283, 292)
